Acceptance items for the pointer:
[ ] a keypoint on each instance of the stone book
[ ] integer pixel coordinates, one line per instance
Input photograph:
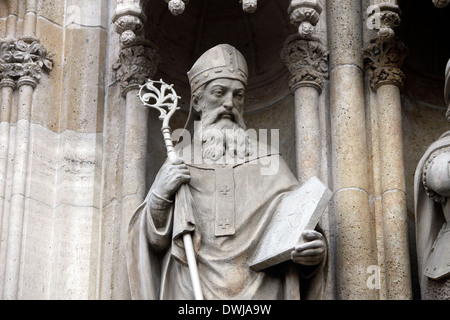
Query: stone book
(300, 210)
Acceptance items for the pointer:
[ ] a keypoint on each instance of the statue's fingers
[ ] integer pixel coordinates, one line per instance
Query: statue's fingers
(309, 245)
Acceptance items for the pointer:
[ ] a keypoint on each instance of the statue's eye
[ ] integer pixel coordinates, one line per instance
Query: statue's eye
(218, 92)
(239, 95)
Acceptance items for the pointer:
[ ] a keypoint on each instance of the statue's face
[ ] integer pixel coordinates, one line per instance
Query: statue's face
(224, 99)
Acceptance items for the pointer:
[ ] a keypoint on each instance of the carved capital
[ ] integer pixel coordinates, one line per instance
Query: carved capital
(138, 58)
(306, 60)
(23, 60)
(384, 17)
(441, 3)
(305, 15)
(136, 65)
(384, 59)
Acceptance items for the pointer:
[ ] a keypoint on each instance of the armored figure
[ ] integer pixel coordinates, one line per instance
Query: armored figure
(432, 206)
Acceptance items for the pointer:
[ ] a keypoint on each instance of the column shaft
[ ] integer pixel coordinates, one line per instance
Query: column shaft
(134, 175)
(18, 193)
(354, 225)
(11, 21)
(5, 126)
(29, 21)
(307, 133)
(393, 198)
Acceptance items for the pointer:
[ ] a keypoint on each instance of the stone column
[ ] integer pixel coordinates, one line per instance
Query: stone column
(26, 87)
(353, 222)
(384, 57)
(11, 21)
(25, 60)
(138, 60)
(7, 87)
(29, 21)
(307, 62)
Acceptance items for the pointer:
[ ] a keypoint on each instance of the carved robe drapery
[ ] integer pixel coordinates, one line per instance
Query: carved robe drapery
(223, 246)
(432, 231)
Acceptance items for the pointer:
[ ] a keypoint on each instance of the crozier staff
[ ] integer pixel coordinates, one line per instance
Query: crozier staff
(233, 201)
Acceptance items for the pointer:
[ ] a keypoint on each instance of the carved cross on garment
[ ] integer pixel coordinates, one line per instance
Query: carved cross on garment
(224, 190)
(224, 224)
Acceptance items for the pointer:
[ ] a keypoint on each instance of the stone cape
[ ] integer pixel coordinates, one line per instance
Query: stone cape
(222, 260)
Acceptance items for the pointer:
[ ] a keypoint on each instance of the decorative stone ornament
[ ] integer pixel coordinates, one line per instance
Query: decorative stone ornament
(305, 14)
(249, 6)
(307, 61)
(136, 64)
(129, 27)
(384, 58)
(19, 59)
(177, 7)
(384, 17)
(138, 57)
(129, 19)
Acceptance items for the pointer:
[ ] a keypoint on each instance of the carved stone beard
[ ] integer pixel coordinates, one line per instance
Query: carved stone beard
(220, 136)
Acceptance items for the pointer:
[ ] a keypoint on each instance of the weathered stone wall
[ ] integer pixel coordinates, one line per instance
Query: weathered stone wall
(57, 255)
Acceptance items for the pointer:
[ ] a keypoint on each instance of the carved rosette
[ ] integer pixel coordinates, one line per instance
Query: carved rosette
(23, 62)
(384, 59)
(129, 27)
(305, 15)
(307, 61)
(384, 17)
(177, 7)
(249, 6)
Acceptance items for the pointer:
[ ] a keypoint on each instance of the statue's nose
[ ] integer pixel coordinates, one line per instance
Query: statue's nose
(228, 101)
